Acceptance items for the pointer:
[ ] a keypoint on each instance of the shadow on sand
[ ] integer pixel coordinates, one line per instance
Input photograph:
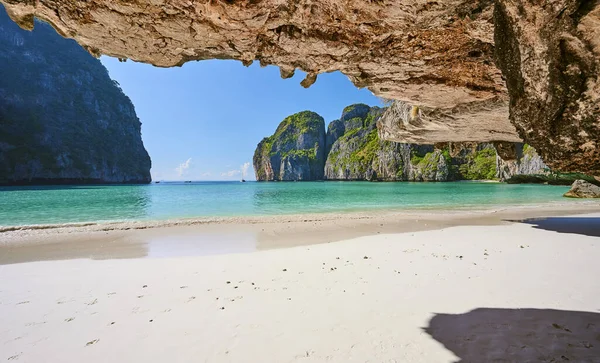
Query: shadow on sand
(587, 226)
(519, 335)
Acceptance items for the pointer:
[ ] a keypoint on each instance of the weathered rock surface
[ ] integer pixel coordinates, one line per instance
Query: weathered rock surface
(485, 121)
(434, 53)
(437, 56)
(295, 152)
(549, 52)
(62, 119)
(583, 189)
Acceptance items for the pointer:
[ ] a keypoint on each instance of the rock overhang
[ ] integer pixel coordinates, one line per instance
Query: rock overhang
(439, 57)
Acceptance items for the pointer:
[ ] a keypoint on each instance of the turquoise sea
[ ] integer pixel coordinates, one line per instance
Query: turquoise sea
(68, 204)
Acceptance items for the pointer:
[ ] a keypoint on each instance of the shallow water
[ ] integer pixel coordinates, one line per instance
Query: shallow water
(68, 204)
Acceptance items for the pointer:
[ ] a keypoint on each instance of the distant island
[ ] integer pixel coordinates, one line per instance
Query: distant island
(62, 119)
(350, 149)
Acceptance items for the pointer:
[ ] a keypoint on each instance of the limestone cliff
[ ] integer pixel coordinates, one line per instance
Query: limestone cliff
(359, 154)
(295, 152)
(354, 151)
(62, 119)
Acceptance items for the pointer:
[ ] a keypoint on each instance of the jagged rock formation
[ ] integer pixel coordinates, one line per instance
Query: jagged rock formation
(295, 152)
(437, 56)
(359, 154)
(355, 152)
(62, 119)
(583, 189)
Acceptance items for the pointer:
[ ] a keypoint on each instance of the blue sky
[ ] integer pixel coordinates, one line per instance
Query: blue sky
(202, 121)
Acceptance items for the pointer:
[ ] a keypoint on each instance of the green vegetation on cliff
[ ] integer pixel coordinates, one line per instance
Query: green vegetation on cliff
(366, 153)
(358, 154)
(296, 151)
(429, 163)
(355, 152)
(480, 166)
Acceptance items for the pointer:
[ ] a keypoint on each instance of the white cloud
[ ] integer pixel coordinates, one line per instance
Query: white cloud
(207, 174)
(245, 168)
(231, 173)
(183, 167)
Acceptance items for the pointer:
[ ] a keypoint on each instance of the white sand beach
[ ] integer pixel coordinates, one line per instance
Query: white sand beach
(505, 293)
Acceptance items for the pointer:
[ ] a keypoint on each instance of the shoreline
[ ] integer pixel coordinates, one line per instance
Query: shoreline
(213, 236)
(89, 226)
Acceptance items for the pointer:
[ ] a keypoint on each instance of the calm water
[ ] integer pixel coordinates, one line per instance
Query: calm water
(64, 204)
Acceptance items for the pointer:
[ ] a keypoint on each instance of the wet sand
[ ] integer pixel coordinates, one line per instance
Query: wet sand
(492, 290)
(197, 237)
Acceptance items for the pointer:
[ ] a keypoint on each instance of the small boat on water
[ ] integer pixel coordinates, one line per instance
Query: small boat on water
(243, 180)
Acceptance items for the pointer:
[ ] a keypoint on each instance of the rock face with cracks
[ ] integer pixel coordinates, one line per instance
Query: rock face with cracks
(437, 57)
(549, 52)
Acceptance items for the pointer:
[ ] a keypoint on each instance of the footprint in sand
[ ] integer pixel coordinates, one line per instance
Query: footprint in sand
(191, 298)
(69, 319)
(93, 302)
(34, 323)
(92, 342)
(23, 302)
(15, 357)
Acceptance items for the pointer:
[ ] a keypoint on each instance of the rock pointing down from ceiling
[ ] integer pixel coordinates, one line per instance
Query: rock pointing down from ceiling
(439, 57)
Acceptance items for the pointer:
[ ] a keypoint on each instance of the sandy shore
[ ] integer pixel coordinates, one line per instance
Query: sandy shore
(195, 237)
(509, 292)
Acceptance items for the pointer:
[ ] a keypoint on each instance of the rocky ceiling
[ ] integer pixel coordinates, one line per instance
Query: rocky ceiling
(448, 62)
